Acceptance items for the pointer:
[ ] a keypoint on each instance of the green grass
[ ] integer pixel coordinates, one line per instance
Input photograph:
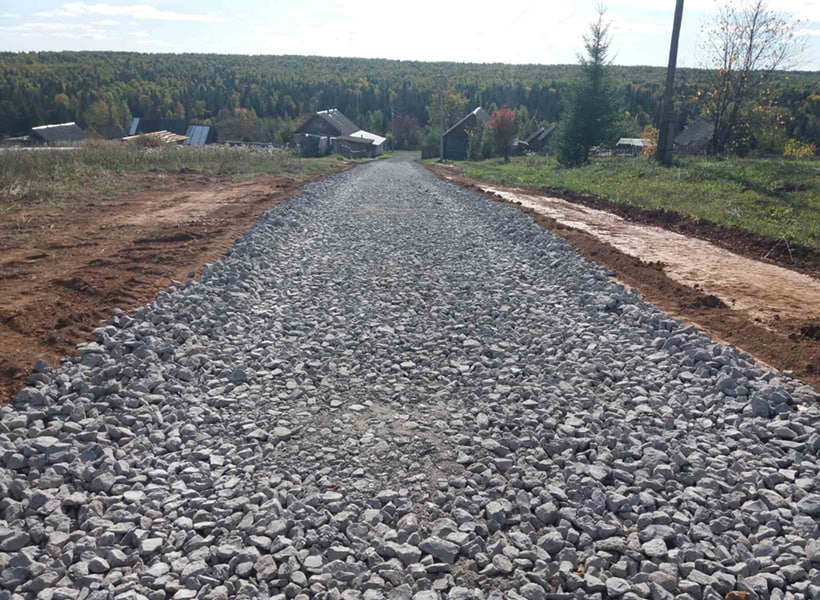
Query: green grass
(770, 197)
(32, 179)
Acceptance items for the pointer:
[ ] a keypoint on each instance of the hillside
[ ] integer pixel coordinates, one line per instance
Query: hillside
(263, 97)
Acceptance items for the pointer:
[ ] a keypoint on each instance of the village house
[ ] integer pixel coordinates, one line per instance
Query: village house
(330, 131)
(457, 139)
(539, 142)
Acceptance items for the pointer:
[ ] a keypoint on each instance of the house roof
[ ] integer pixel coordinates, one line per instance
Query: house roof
(61, 132)
(640, 142)
(363, 136)
(197, 135)
(479, 113)
(335, 119)
(542, 133)
(698, 131)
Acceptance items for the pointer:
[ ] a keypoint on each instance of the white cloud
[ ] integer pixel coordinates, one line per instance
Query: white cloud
(8, 16)
(73, 31)
(105, 23)
(140, 12)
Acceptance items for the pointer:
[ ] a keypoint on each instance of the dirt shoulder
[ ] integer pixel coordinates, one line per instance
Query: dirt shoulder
(62, 271)
(787, 341)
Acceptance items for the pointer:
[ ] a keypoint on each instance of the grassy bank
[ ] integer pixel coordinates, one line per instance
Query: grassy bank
(770, 197)
(46, 178)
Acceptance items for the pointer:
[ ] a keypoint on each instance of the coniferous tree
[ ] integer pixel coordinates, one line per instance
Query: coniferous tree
(592, 108)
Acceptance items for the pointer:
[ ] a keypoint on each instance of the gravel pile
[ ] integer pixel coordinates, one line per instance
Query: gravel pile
(394, 388)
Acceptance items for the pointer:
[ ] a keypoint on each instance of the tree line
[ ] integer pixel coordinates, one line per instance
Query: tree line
(263, 98)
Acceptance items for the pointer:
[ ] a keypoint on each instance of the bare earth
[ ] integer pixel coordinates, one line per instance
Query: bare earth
(62, 271)
(759, 289)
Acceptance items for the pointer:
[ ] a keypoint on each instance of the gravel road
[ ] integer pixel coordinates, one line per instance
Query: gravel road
(395, 388)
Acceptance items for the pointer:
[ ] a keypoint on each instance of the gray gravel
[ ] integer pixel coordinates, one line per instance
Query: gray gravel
(394, 388)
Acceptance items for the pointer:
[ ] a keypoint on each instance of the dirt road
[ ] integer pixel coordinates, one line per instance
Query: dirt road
(394, 389)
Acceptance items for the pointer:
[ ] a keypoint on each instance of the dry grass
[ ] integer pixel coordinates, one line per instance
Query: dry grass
(51, 178)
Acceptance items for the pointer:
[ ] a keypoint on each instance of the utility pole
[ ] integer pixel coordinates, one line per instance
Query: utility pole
(392, 132)
(441, 118)
(663, 153)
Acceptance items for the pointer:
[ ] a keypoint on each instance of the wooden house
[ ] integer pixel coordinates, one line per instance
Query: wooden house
(539, 141)
(457, 140)
(330, 131)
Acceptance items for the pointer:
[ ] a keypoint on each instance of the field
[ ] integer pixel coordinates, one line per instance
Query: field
(772, 198)
(49, 179)
(107, 226)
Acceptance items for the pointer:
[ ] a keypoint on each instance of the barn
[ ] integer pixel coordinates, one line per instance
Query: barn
(61, 133)
(457, 140)
(540, 140)
(329, 130)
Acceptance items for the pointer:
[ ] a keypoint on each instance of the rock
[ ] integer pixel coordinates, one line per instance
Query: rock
(616, 587)
(440, 549)
(810, 505)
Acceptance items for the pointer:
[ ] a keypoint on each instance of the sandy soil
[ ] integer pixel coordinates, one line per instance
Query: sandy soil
(62, 271)
(771, 312)
(759, 289)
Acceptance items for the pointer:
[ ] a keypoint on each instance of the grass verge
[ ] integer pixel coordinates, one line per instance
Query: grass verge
(774, 198)
(48, 179)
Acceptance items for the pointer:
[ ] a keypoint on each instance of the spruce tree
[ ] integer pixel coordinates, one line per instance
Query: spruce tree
(591, 110)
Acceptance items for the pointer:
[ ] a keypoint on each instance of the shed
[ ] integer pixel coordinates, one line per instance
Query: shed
(540, 140)
(632, 146)
(456, 139)
(199, 135)
(61, 133)
(360, 144)
(696, 137)
(140, 125)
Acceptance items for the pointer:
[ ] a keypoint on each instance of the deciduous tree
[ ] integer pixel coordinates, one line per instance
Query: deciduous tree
(503, 127)
(745, 44)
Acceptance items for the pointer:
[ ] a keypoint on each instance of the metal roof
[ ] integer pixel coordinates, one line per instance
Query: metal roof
(335, 119)
(376, 140)
(60, 132)
(197, 135)
(479, 113)
(542, 132)
(641, 142)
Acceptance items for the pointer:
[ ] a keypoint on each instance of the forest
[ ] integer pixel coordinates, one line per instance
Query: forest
(263, 98)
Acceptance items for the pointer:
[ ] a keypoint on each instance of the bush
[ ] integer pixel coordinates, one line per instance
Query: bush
(147, 141)
(798, 149)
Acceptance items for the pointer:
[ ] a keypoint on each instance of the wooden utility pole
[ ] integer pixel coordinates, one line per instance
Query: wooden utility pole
(663, 153)
(441, 118)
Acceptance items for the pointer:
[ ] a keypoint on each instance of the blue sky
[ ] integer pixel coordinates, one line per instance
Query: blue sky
(514, 31)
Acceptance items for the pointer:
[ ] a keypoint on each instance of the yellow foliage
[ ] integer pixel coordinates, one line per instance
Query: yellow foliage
(798, 149)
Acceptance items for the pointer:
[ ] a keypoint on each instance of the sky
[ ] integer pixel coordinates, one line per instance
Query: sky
(511, 31)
